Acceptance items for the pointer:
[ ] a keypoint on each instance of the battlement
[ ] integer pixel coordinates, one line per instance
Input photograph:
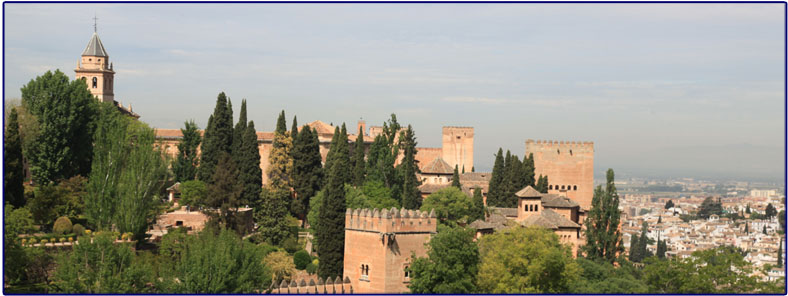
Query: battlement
(391, 221)
(466, 130)
(330, 286)
(532, 146)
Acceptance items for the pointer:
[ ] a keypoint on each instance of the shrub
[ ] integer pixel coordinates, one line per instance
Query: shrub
(301, 259)
(62, 225)
(71, 239)
(291, 245)
(88, 232)
(44, 241)
(62, 239)
(311, 268)
(24, 241)
(125, 236)
(33, 241)
(78, 229)
(129, 236)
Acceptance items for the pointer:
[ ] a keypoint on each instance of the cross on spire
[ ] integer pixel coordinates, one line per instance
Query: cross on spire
(95, 21)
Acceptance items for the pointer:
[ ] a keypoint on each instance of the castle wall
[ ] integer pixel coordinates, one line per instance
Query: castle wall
(567, 164)
(384, 240)
(425, 155)
(458, 147)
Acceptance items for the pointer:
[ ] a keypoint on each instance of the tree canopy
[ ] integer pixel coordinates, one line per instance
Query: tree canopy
(450, 266)
(451, 206)
(603, 238)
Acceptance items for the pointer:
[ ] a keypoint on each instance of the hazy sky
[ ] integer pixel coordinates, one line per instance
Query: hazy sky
(690, 90)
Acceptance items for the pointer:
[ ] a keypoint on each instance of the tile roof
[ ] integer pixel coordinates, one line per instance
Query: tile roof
(321, 127)
(95, 47)
(509, 212)
(438, 166)
(549, 219)
(558, 201)
(528, 191)
(430, 188)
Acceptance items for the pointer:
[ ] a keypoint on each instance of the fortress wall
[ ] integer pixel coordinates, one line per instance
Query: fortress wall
(566, 164)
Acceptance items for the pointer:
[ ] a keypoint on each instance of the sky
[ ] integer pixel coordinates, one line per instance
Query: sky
(663, 90)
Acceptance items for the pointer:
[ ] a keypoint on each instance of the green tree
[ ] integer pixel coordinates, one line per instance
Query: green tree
(643, 243)
(748, 211)
(282, 266)
(218, 263)
(217, 139)
(451, 206)
(541, 185)
(224, 193)
(603, 239)
(525, 260)
(185, 166)
(66, 112)
(271, 216)
(250, 173)
(15, 264)
(13, 190)
(301, 259)
(601, 277)
(781, 219)
(451, 264)
(98, 265)
(294, 129)
(770, 211)
(764, 229)
(238, 133)
(382, 156)
(193, 193)
(455, 179)
(780, 255)
(280, 170)
(52, 201)
(411, 197)
(307, 171)
(662, 247)
(331, 230)
(634, 249)
(669, 204)
(358, 161)
(478, 205)
(709, 207)
(495, 191)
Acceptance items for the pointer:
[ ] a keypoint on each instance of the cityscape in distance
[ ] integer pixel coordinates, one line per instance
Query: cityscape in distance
(453, 148)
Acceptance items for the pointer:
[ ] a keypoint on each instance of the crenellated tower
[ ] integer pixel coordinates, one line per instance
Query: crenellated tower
(457, 147)
(569, 167)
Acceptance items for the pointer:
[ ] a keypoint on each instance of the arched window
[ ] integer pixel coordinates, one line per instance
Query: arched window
(536, 208)
(95, 82)
(575, 188)
(550, 187)
(563, 187)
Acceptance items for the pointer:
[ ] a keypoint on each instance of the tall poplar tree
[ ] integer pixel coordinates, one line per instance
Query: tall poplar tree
(358, 161)
(332, 212)
(218, 138)
(280, 170)
(238, 133)
(13, 190)
(185, 166)
(307, 170)
(383, 155)
(66, 113)
(496, 181)
(603, 238)
(411, 199)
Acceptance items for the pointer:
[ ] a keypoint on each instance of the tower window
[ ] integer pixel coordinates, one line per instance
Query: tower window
(575, 187)
(550, 187)
(95, 82)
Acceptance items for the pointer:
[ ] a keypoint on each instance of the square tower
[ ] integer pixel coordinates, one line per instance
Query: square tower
(96, 71)
(569, 167)
(457, 147)
(379, 244)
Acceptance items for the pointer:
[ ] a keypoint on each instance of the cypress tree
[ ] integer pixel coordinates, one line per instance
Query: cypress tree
(746, 228)
(764, 229)
(281, 124)
(511, 168)
(13, 190)
(541, 185)
(530, 170)
(251, 175)
(662, 248)
(644, 242)
(411, 199)
(271, 216)
(359, 164)
(748, 209)
(224, 191)
(455, 179)
(478, 204)
(218, 139)
(238, 132)
(496, 181)
(307, 170)
(634, 246)
(294, 129)
(331, 151)
(342, 156)
(332, 216)
(780, 255)
(660, 220)
(185, 166)
(463, 169)
(603, 239)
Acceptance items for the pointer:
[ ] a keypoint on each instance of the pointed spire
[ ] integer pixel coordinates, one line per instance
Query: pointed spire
(95, 47)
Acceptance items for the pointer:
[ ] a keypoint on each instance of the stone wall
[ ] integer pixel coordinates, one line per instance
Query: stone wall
(458, 147)
(330, 286)
(569, 167)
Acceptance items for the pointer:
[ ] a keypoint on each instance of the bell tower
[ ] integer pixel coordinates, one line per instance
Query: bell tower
(95, 69)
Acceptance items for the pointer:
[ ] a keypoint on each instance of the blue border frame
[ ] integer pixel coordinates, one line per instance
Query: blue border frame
(785, 77)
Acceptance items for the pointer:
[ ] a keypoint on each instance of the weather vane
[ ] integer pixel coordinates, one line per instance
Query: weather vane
(95, 21)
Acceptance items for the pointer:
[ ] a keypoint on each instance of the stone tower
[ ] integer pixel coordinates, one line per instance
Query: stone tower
(457, 147)
(379, 245)
(95, 69)
(569, 167)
